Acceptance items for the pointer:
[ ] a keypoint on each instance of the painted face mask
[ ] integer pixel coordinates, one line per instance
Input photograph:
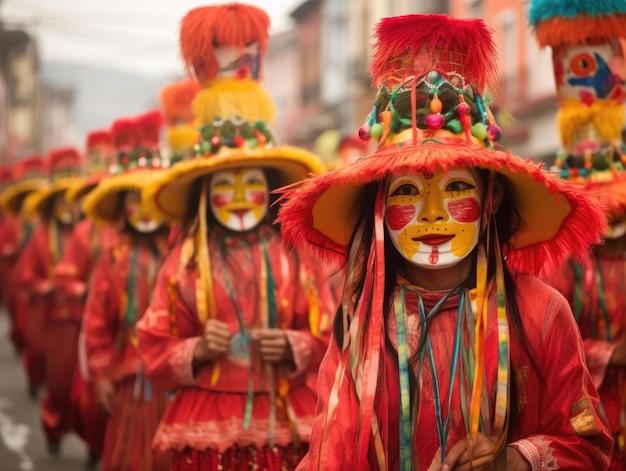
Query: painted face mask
(136, 216)
(433, 220)
(237, 63)
(239, 198)
(64, 212)
(616, 229)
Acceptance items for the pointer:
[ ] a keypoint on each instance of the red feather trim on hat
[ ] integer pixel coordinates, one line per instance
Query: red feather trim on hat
(125, 133)
(205, 28)
(149, 127)
(413, 45)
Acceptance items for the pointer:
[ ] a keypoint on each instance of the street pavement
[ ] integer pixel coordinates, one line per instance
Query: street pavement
(22, 444)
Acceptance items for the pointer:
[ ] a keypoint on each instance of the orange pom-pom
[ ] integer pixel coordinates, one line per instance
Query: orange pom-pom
(176, 101)
(232, 25)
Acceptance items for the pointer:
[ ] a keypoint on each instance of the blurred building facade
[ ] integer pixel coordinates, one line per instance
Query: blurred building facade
(19, 79)
(34, 117)
(329, 87)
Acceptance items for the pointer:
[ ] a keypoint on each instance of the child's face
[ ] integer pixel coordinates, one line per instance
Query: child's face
(434, 219)
(239, 198)
(136, 216)
(64, 212)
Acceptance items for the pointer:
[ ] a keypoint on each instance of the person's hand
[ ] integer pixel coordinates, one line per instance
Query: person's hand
(273, 345)
(105, 395)
(77, 289)
(458, 458)
(44, 288)
(215, 341)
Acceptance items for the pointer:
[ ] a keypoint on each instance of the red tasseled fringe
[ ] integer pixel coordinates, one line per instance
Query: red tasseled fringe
(573, 31)
(149, 127)
(611, 194)
(176, 101)
(205, 28)
(125, 133)
(67, 155)
(582, 227)
(100, 137)
(415, 44)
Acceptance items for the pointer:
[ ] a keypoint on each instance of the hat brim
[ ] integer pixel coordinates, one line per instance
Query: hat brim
(36, 202)
(12, 198)
(170, 193)
(557, 219)
(101, 205)
(84, 186)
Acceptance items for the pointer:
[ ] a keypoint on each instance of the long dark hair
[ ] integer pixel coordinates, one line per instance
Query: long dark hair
(507, 221)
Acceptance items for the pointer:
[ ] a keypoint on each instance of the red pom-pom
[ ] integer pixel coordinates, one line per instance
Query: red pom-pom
(150, 125)
(125, 133)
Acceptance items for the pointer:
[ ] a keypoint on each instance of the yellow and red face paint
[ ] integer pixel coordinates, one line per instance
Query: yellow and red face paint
(239, 198)
(63, 211)
(433, 219)
(136, 216)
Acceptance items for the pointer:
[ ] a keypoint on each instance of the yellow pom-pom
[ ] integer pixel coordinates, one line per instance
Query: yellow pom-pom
(182, 138)
(229, 98)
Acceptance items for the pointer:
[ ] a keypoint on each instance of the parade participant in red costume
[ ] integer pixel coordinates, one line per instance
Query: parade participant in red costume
(49, 319)
(121, 287)
(447, 353)
(9, 232)
(27, 175)
(238, 321)
(72, 277)
(590, 74)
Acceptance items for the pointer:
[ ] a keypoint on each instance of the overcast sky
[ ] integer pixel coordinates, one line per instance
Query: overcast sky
(135, 35)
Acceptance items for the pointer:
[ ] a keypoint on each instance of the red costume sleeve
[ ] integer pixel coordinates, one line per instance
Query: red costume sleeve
(167, 354)
(72, 272)
(332, 447)
(310, 329)
(598, 353)
(562, 402)
(101, 319)
(9, 239)
(32, 269)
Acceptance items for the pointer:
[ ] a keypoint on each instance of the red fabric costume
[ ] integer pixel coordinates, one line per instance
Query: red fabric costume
(538, 429)
(52, 328)
(209, 408)
(121, 286)
(72, 275)
(596, 290)
(9, 250)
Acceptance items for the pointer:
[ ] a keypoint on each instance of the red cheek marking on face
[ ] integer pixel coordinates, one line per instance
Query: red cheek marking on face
(219, 201)
(258, 197)
(132, 210)
(399, 216)
(465, 210)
